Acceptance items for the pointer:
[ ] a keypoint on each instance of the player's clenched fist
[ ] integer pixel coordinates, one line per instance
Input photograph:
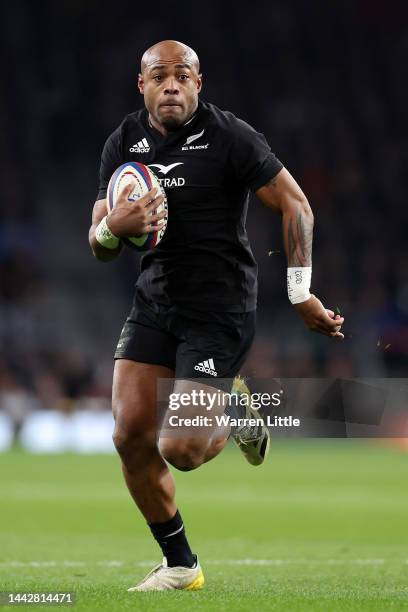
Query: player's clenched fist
(135, 218)
(319, 319)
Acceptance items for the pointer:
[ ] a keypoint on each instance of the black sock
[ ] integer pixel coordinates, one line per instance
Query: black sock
(171, 538)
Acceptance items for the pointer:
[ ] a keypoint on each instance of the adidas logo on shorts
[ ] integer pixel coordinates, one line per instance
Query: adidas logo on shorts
(140, 147)
(207, 367)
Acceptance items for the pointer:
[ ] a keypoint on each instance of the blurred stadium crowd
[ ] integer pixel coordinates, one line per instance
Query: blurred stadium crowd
(322, 80)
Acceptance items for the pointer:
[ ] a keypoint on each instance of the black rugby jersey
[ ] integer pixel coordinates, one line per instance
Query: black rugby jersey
(207, 168)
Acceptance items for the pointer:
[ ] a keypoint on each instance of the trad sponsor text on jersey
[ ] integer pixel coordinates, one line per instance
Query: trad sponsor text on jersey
(168, 182)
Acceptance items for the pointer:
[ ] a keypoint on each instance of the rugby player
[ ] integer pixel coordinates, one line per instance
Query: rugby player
(193, 314)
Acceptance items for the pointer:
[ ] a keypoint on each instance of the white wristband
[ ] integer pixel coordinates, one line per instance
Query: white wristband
(105, 237)
(299, 281)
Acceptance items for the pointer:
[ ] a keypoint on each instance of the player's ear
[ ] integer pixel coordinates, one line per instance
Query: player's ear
(140, 83)
(199, 82)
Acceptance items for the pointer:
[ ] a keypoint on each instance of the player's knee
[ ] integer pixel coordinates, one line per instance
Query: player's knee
(183, 455)
(132, 443)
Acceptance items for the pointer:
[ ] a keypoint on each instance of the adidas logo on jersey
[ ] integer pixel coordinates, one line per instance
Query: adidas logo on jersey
(140, 147)
(207, 367)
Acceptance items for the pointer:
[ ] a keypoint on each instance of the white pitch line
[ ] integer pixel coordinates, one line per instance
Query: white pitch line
(264, 562)
(296, 561)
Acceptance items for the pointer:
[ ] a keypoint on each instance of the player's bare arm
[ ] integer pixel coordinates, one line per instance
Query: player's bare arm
(126, 219)
(283, 195)
(100, 252)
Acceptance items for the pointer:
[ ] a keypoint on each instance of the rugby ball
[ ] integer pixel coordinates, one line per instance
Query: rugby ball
(144, 180)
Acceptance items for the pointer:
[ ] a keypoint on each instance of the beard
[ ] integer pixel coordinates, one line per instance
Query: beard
(172, 123)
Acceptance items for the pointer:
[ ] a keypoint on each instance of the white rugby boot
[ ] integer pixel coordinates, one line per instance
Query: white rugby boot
(163, 578)
(253, 441)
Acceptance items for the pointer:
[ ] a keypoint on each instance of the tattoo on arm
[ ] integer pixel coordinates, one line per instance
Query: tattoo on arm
(299, 237)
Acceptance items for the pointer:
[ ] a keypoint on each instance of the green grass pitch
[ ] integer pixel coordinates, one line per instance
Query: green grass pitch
(322, 526)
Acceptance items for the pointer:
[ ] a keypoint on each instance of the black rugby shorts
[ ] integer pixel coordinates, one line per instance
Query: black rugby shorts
(193, 343)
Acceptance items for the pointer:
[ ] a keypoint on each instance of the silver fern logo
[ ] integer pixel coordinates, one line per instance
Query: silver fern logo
(187, 146)
(192, 138)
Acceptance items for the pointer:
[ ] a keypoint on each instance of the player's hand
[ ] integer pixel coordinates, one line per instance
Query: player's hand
(135, 218)
(319, 319)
